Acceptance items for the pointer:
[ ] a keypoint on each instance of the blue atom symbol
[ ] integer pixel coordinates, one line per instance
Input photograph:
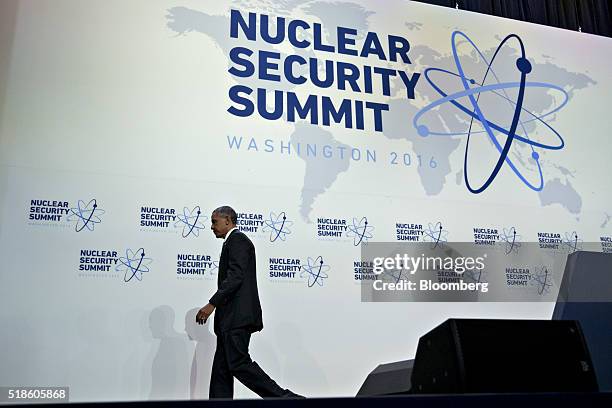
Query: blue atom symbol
(393, 274)
(476, 114)
(191, 220)
(542, 280)
(435, 234)
(86, 215)
(278, 225)
(510, 240)
(475, 275)
(134, 264)
(316, 271)
(360, 231)
(571, 242)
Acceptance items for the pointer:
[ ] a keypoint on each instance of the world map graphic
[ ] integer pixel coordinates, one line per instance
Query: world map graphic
(320, 174)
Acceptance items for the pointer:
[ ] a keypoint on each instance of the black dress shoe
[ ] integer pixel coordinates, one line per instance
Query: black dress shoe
(290, 394)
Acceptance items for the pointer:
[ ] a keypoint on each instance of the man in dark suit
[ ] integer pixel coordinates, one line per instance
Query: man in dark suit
(238, 314)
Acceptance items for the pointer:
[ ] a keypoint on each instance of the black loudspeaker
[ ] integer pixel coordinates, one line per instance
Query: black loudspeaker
(586, 295)
(388, 379)
(486, 356)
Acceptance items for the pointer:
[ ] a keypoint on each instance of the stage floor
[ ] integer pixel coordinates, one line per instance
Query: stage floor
(579, 400)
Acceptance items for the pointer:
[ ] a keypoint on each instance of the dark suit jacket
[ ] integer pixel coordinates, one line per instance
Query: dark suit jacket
(237, 300)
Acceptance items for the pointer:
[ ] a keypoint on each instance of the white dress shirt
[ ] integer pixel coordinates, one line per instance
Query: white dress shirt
(228, 234)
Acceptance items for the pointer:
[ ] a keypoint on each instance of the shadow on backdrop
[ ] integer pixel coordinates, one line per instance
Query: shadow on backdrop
(170, 366)
(203, 353)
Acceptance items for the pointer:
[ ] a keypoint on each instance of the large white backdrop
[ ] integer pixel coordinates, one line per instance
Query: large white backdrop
(124, 105)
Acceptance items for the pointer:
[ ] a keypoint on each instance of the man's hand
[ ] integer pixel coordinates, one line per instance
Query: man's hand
(204, 313)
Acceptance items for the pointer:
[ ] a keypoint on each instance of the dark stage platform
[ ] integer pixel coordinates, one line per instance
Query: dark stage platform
(553, 400)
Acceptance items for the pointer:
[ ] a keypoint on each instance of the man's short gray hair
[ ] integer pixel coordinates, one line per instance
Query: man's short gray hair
(227, 211)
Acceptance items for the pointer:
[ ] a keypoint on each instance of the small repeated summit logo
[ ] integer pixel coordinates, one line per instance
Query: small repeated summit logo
(85, 215)
(409, 231)
(48, 210)
(282, 268)
(59, 213)
(195, 266)
(134, 264)
(315, 270)
(486, 236)
(339, 229)
(418, 232)
(571, 242)
(98, 263)
(251, 223)
(191, 221)
(538, 278)
(278, 226)
(331, 227)
(157, 217)
(542, 280)
(360, 231)
(435, 234)
(294, 270)
(108, 263)
(549, 240)
(567, 242)
(510, 240)
(518, 276)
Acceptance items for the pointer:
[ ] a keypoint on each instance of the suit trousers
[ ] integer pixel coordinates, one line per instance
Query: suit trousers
(232, 360)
